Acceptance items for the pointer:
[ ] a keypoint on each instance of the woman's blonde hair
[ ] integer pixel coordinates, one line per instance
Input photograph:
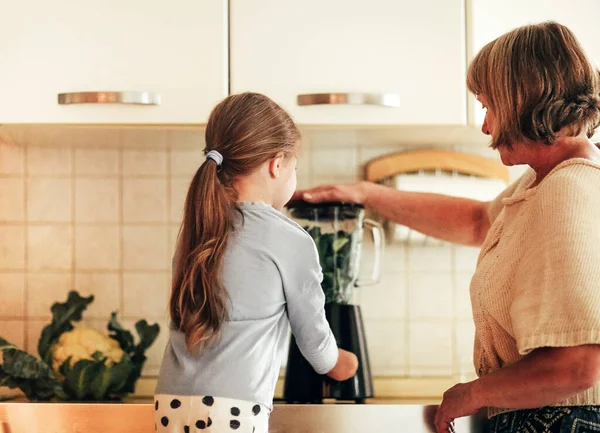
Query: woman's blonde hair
(247, 129)
(537, 80)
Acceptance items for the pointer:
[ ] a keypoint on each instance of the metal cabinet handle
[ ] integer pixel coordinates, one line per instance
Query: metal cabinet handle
(133, 98)
(381, 99)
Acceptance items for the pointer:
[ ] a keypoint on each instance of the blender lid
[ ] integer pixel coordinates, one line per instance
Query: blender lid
(324, 211)
(301, 204)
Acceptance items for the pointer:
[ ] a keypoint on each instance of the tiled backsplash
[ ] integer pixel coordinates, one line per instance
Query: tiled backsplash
(99, 209)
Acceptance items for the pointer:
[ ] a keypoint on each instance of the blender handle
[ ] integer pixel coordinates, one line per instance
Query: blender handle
(378, 241)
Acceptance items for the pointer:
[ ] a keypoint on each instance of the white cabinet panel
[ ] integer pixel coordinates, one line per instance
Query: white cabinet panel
(492, 18)
(177, 49)
(412, 49)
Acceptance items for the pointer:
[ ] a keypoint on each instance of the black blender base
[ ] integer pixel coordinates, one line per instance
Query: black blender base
(304, 386)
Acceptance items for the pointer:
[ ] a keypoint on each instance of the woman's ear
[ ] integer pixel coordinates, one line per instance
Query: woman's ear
(275, 165)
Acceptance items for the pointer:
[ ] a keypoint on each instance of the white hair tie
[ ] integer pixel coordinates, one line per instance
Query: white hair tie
(216, 156)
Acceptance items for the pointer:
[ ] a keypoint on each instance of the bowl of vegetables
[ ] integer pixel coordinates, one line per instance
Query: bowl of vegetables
(77, 363)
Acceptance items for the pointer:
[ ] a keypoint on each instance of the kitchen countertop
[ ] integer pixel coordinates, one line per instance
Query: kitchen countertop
(418, 390)
(139, 418)
(388, 390)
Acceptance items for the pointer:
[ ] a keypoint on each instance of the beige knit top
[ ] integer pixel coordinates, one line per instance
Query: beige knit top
(537, 282)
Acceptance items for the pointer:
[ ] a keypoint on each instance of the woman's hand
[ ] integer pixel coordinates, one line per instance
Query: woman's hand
(351, 193)
(460, 400)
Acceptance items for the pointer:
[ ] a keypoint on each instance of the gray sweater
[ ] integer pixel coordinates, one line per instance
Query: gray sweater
(272, 275)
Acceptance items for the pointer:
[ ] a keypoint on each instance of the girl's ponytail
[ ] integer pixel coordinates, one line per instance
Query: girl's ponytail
(198, 299)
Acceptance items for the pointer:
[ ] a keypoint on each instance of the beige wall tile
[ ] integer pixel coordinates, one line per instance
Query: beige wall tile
(44, 289)
(386, 300)
(386, 341)
(106, 288)
(173, 234)
(12, 247)
(34, 330)
(187, 139)
(331, 137)
(430, 295)
(304, 167)
(334, 162)
(465, 336)
(49, 200)
(465, 258)
(367, 152)
(12, 199)
(145, 248)
(12, 295)
(144, 139)
(462, 297)
(13, 331)
(144, 200)
(150, 162)
(304, 157)
(11, 159)
(44, 136)
(86, 138)
(50, 247)
(97, 162)
(49, 161)
(97, 247)
(318, 180)
(393, 260)
(179, 190)
(429, 258)
(430, 347)
(96, 200)
(153, 288)
(185, 162)
(303, 182)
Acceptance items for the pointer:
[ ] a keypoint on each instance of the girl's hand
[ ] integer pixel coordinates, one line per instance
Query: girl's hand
(351, 193)
(346, 366)
(460, 400)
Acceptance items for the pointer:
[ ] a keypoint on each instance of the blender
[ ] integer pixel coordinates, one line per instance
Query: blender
(337, 229)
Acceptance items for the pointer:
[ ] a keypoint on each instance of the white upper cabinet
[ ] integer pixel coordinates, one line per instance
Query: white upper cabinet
(492, 18)
(362, 55)
(173, 50)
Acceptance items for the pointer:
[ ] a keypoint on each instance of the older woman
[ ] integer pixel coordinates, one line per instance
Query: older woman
(536, 289)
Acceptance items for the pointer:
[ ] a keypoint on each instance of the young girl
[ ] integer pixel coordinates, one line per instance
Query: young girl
(242, 271)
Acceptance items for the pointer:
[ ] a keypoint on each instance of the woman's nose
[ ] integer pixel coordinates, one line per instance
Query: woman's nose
(484, 127)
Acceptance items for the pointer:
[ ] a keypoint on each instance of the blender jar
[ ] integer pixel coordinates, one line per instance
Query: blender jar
(337, 229)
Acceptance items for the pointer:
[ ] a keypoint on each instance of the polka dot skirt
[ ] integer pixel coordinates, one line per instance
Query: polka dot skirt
(208, 414)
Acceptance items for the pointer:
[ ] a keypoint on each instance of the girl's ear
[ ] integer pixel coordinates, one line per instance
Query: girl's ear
(275, 165)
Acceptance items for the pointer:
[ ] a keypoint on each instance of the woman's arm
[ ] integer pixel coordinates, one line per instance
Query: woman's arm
(544, 377)
(453, 219)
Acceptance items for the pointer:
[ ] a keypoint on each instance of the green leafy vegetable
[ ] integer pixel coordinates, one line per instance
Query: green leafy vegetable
(21, 370)
(78, 364)
(146, 333)
(336, 259)
(62, 317)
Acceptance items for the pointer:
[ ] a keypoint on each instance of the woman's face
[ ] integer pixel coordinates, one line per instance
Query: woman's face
(509, 156)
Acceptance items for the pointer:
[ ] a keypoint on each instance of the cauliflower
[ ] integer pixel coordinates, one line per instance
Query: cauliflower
(82, 343)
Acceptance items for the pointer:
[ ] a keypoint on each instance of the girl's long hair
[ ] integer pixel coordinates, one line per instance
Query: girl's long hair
(247, 129)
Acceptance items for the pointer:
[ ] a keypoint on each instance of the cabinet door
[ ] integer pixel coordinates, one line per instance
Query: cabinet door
(411, 52)
(492, 18)
(173, 49)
